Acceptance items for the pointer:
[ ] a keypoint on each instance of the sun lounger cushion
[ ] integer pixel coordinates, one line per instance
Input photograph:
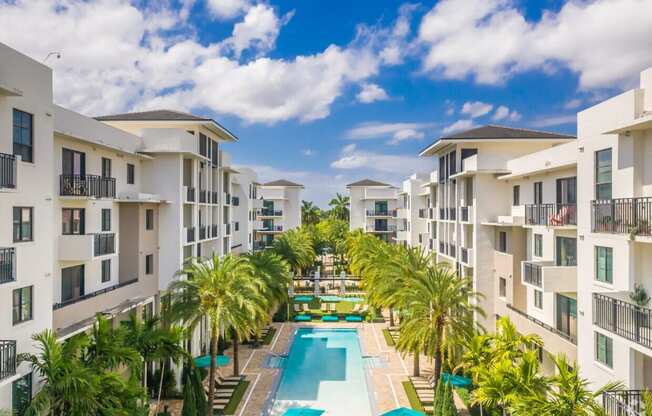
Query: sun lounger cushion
(329, 318)
(303, 318)
(353, 318)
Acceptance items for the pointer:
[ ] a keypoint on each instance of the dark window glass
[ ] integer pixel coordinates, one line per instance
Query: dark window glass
(538, 299)
(22, 304)
(567, 190)
(21, 393)
(603, 167)
(106, 270)
(236, 226)
(502, 241)
(73, 221)
(106, 167)
(604, 264)
(567, 315)
(24, 135)
(516, 195)
(538, 192)
(604, 350)
(149, 219)
(72, 283)
(149, 264)
(131, 174)
(73, 162)
(106, 219)
(566, 251)
(538, 245)
(23, 224)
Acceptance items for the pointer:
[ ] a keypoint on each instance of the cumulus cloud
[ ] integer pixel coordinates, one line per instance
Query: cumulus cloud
(227, 9)
(504, 113)
(459, 125)
(476, 108)
(491, 40)
(258, 30)
(396, 132)
(371, 92)
(352, 158)
(397, 45)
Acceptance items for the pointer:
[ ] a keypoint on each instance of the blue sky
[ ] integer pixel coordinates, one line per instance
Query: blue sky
(328, 92)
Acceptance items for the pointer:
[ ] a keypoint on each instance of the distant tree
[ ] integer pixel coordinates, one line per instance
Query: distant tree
(340, 207)
(310, 213)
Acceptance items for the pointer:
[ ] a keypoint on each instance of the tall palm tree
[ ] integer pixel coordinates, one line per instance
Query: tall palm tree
(224, 293)
(340, 207)
(310, 213)
(270, 268)
(295, 247)
(107, 348)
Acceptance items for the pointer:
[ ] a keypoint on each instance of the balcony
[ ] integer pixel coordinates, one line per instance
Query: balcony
(92, 186)
(256, 203)
(270, 213)
(270, 228)
(381, 213)
(568, 337)
(202, 232)
(551, 215)
(190, 194)
(7, 171)
(104, 244)
(203, 196)
(623, 402)
(90, 295)
(83, 247)
(7, 358)
(389, 228)
(466, 256)
(623, 318)
(622, 216)
(549, 277)
(261, 245)
(190, 234)
(226, 198)
(466, 213)
(7, 265)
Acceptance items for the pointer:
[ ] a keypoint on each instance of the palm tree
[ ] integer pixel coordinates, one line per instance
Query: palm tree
(295, 247)
(270, 268)
(340, 207)
(310, 213)
(107, 348)
(224, 293)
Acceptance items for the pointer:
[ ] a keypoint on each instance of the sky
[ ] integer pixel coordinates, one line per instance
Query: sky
(327, 92)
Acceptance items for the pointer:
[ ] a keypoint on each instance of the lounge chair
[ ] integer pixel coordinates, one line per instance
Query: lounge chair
(353, 318)
(303, 318)
(333, 308)
(306, 308)
(425, 398)
(325, 307)
(356, 308)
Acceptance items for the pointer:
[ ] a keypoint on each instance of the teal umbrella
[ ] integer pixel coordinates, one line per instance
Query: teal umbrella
(402, 411)
(302, 411)
(205, 361)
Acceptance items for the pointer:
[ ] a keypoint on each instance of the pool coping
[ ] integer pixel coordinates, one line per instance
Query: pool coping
(269, 403)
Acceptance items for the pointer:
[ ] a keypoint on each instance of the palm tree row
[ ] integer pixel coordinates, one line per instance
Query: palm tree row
(312, 214)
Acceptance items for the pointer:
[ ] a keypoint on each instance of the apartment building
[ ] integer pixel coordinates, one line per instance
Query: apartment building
(373, 208)
(246, 204)
(413, 224)
(281, 211)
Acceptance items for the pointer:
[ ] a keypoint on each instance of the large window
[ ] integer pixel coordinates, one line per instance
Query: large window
(106, 219)
(538, 245)
(23, 224)
(21, 393)
(538, 299)
(149, 219)
(72, 283)
(604, 350)
(72, 221)
(502, 241)
(131, 174)
(106, 167)
(604, 264)
(73, 162)
(603, 174)
(22, 304)
(566, 251)
(516, 199)
(567, 190)
(538, 193)
(24, 135)
(567, 315)
(106, 270)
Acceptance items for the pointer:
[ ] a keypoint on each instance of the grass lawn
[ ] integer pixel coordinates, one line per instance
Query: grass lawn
(238, 394)
(269, 337)
(388, 338)
(412, 396)
(340, 307)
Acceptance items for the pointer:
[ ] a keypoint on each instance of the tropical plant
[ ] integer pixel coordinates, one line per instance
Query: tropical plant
(310, 213)
(340, 207)
(647, 403)
(295, 247)
(223, 292)
(275, 275)
(639, 295)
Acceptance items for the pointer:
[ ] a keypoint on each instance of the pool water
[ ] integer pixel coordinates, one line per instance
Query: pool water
(324, 370)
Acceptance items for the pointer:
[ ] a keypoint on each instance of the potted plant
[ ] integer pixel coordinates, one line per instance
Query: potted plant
(641, 298)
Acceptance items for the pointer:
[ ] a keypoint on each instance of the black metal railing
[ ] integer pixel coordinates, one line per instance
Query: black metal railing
(235, 201)
(568, 337)
(271, 213)
(423, 213)
(622, 215)
(384, 228)
(552, 215)
(93, 294)
(623, 318)
(104, 243)
(464, 255)
(623, 402)
(190, 234)
(190, 194)
(452, 214)
(532, 274)
(214, 230)
(7, 358)
(464, 214)
(87, 185)
(202, 232)
(7, 171)
(7, 265)
(381, 213)
(203, 196)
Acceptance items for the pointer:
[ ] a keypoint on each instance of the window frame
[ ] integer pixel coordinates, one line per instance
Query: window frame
(502, 287)
(608, 359)
(598, 184)
(105, 275)
(500, 241)
(609, 261)
(516, 195)
(20, 224)
(537, 197)
(82, 221)
(20, 307)
(21, 128)
(538, 299)
(106, 219)
(538, 245)
(149, 264)
(149, 219)
(16, 407)
(131, 174)
(82, 282)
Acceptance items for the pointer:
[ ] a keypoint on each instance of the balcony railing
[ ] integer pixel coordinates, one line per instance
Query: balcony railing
(7, 171)
(104, 244)
(622, 215)
(93, 294)
(215, 197)
(203, 196)
(623, 402)
(384, 228)
(532, 274)
(190, 194)
(464, 214)
(552, 215)
(625, 319)
(87, 185)
(271, 213)
(7, 358)
(7, 265)
(202, 232)
(214, 230)
(568, 337)
(235, 201)
(190, 234)
(381, 213)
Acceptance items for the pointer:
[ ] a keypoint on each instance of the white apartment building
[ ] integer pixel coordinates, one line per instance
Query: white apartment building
(413, 224)
(245, 196)
(373, 208)
(280, 211)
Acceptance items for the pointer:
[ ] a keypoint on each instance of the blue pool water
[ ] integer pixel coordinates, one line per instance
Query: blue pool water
(324, 370)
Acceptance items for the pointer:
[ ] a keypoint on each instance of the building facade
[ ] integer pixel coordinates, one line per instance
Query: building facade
(413, 225)
(373, 208)
(280, 211)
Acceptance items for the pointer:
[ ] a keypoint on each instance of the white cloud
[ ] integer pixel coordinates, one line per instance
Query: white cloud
(354, 159)
(371, 92)
(504, 113)
(573, 103)
(491, 40)
(258, 30)
(308, 152)
(459, 125)
(476, 108)
(227, 9)
(396, 45)
(396, 132)
(554, 121)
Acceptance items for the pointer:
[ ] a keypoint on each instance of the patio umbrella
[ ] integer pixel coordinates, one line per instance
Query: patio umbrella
(402, 411)
(302, 411)
(205, 361)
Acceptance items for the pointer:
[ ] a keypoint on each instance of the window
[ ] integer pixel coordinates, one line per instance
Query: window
(149, 219)
(106, 270)
(72, 221)
(603, 174)
(23, 224)
(567, 315)
(149, 264)
(22, 304)
(604, 350)
(72, 283)
(604, 264)
(538, 299)
(502, 287)
(502, 241)
(567, 190)
(21, 393)
(24, 135)
(538, 193)
(517, 195)
(106, 219)
(236, 226)
(106, 167)
(131, 174)
(566, 251)
(538, 245)
(73, 162)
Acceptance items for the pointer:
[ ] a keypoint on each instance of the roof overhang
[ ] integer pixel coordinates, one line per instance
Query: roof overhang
(442, 143)
(99, 143)
(551, 168)
(641, 123)
(9, 91)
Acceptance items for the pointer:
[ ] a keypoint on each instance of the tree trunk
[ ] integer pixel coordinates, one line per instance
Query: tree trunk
(211, 374)
(236, 360)
(145, 374)
(438, 354)
(391, 317)
(415, 369)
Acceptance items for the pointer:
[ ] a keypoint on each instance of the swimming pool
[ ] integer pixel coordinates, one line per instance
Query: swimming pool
(324, 370)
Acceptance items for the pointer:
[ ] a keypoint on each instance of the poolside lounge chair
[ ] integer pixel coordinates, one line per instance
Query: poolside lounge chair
(356, 308)
(353, 318)
(330, 318)
(325, 307)
(303, 318)
(332, 308)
